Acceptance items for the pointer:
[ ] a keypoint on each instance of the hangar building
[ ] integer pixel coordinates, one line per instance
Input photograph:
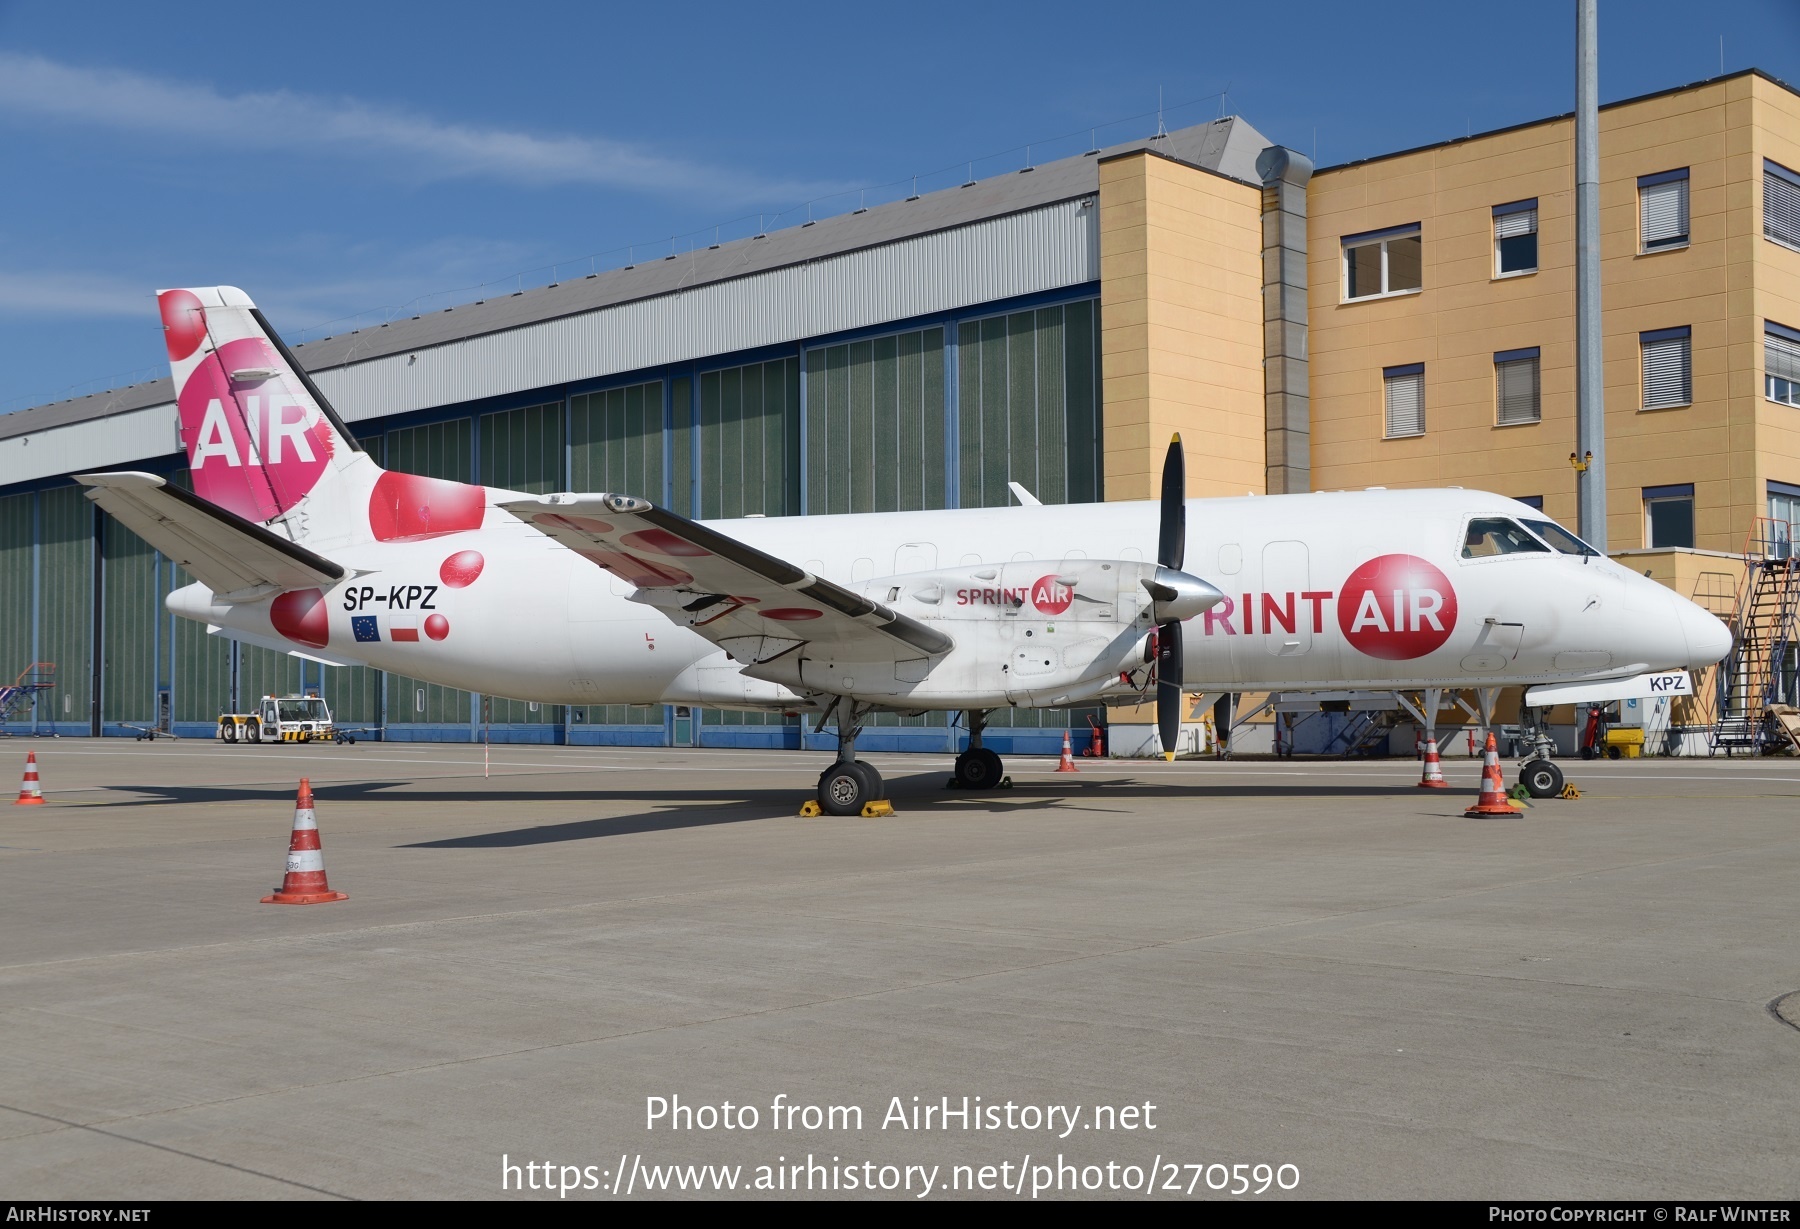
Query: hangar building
(1404, 320)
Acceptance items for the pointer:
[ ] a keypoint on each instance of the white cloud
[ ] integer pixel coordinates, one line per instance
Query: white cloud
(78, 295)
(347, 127)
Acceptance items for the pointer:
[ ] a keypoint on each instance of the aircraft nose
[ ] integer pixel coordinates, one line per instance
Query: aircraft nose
(1708, 639)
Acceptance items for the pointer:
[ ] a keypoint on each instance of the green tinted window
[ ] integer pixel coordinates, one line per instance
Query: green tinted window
(1029, 406)
(875, 424)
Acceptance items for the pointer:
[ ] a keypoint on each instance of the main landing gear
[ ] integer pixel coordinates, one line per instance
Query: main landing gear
(978, 768)
(850, 784)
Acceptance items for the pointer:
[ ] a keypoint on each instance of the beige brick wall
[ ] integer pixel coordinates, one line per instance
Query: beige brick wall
(1775, 134)
(1181, 319)
(1464, 314)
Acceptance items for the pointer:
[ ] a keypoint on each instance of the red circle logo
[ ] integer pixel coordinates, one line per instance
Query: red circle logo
(460, 570)
(1397, 607)
(437, 626)
(1050, 596)
(184, 322)
(302, 616)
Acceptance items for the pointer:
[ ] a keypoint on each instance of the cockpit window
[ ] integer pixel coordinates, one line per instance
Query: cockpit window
(1560, 538)
(1496, 535)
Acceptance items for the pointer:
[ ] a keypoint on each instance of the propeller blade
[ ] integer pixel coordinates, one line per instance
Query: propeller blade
(1171, 544)
(1168, 685)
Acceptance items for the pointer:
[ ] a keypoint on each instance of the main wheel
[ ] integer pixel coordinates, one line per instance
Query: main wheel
(253, 731)
(979, 768)
(844, 787)
(1542, 778)
(872, 777)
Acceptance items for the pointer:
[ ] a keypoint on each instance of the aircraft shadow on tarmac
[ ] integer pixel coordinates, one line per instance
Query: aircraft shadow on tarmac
(690, 807)
(916, 786)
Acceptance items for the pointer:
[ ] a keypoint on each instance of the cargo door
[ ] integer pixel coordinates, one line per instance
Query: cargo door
(1285, 620)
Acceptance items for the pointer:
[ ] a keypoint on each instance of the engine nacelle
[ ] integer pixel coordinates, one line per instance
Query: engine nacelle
(1029, 634)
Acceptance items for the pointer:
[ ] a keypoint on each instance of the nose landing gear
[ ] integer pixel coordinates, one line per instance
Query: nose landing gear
(1542, 778)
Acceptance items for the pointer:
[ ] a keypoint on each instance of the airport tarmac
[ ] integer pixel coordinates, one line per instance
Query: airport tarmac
(1313, 965)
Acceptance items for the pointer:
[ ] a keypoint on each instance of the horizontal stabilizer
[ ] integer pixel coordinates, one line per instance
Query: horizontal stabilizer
(278, 646)
(238, 560)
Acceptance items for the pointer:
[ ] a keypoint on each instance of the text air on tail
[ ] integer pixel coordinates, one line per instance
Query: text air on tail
(261, 439)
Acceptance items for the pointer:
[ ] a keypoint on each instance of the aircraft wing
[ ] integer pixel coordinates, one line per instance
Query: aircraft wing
(235, 558)
(753, 605)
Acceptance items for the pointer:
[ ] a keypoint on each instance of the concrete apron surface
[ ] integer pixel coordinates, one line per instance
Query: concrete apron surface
(1313, 965)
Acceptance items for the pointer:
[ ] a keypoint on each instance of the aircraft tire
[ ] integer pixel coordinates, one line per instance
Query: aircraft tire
(979, 769)
(872, 778)
(843, 789)
(1542, 779)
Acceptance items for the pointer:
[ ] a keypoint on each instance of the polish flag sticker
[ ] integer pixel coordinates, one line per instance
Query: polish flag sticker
(404, 627)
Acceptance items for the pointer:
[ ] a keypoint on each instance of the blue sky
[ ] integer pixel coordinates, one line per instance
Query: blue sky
(343, 160)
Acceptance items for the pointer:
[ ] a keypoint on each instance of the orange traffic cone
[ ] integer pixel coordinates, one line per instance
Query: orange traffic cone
(1068, 760)
(29, 793)
(1433, 777)
(1493, 800)
(304, 883)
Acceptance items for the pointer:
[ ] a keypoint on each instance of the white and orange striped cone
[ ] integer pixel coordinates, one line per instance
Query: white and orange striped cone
(1068, 760)
(1433, 777)
(1493, 800)
(30, 795)
(304, 883)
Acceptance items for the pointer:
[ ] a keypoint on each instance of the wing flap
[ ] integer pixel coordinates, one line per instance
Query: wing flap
(727, 590)
(235, 558)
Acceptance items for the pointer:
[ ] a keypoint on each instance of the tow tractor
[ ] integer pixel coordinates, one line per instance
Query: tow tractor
(288, 719)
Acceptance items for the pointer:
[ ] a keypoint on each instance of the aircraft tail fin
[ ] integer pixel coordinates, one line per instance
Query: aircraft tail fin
(261, 438)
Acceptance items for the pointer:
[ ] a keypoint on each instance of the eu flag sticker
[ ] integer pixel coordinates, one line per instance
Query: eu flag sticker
(365, 627)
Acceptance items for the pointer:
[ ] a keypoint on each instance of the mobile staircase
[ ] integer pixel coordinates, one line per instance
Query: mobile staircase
(1762, 632)
(18, 696)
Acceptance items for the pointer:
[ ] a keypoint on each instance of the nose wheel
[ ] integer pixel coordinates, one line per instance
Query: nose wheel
(1542, 779)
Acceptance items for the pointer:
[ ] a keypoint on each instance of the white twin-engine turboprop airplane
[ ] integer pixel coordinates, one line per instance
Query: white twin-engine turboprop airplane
(302, 543)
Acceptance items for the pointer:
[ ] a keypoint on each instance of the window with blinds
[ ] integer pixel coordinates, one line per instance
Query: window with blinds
(1781, 204)
(1663, 210)
(1405, 390)
(1668, 367)
(1781, 363)
(1517, 388)
(1515, 238)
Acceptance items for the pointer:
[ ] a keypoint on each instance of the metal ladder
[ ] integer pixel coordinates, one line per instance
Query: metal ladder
(18, 697)
(1763, 628)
